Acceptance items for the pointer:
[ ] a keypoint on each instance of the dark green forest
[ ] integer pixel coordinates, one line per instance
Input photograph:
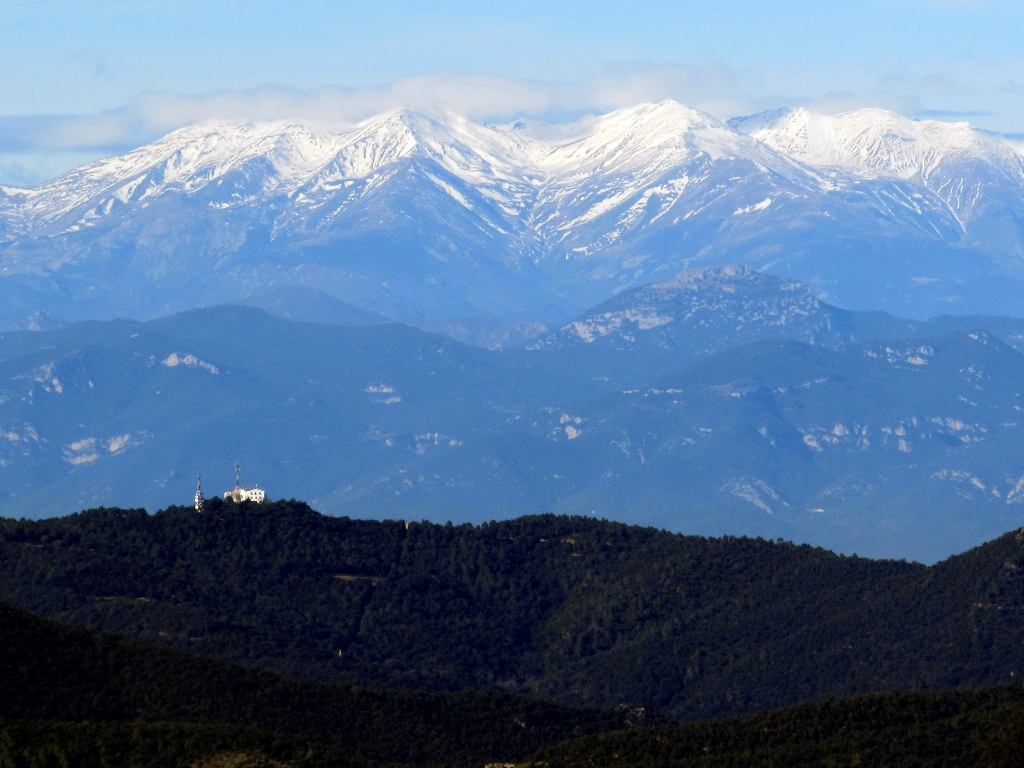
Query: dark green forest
(52, 672)
(951, 729)
(574, 610)
(43, 744)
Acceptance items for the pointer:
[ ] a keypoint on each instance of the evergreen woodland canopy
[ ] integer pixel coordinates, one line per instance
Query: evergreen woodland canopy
(575, 610)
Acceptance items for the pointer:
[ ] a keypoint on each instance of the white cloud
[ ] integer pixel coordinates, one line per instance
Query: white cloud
(834, 103)
(469, 95)
(714, 89)
(718, 90)
(26, 169)
(33, 148)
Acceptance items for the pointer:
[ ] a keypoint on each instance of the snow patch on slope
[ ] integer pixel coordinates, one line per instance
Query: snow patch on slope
(956, 162)
(874, 142)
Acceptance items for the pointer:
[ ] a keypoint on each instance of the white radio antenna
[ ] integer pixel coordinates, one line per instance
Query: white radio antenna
(199, 494)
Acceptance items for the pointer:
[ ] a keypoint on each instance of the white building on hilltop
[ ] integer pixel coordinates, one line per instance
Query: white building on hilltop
(238, 494)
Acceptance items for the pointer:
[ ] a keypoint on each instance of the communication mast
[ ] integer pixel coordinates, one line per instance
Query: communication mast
(238, 494)
(199, 494)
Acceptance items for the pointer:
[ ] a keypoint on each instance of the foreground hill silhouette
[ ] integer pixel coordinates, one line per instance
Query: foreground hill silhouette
(571, 609)
(63, 674)
(46, 744)
(951, 729)
(980, 729)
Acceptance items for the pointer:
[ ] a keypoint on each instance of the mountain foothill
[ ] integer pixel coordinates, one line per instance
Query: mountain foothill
(721, 401)
(79, 697)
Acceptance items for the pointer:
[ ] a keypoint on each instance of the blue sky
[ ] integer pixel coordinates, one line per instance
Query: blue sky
(83, 78)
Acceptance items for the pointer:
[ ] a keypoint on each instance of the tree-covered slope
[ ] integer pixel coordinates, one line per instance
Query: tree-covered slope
(48, 744)
(57, 673)
(572, 609)
(952, 729)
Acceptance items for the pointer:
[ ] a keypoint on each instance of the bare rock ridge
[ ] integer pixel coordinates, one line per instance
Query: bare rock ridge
(727, 305)
(662, 327)
(435, 219)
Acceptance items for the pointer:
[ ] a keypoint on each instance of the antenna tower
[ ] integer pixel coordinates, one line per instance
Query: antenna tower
(199, 494)
(238, 476)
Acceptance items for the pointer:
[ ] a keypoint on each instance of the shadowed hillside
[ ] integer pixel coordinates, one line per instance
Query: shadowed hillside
(953, 729)
(57, 673)
(45, 744)
(572, 609)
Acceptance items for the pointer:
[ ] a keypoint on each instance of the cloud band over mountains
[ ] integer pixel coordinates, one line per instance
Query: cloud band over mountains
(36, 147)
(717, 90)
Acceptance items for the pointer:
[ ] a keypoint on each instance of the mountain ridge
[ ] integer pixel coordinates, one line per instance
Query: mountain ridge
(673, 323)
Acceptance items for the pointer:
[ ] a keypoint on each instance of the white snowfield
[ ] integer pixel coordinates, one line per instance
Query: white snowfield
(874, 143)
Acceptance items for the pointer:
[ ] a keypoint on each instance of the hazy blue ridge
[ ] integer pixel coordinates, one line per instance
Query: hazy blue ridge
(694, 415)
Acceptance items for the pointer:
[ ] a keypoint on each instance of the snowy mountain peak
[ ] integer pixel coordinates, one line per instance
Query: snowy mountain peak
(962, 167)
(186, 161)
(506, 163)
(208, 150)
(875, 142)
(634, 135)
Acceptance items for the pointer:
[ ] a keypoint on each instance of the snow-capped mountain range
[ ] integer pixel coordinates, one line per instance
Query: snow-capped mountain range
(431, 218)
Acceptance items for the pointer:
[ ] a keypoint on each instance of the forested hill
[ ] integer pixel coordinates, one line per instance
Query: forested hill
(50, 672)
(571, 609)
(952, 729)
(48, 744)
